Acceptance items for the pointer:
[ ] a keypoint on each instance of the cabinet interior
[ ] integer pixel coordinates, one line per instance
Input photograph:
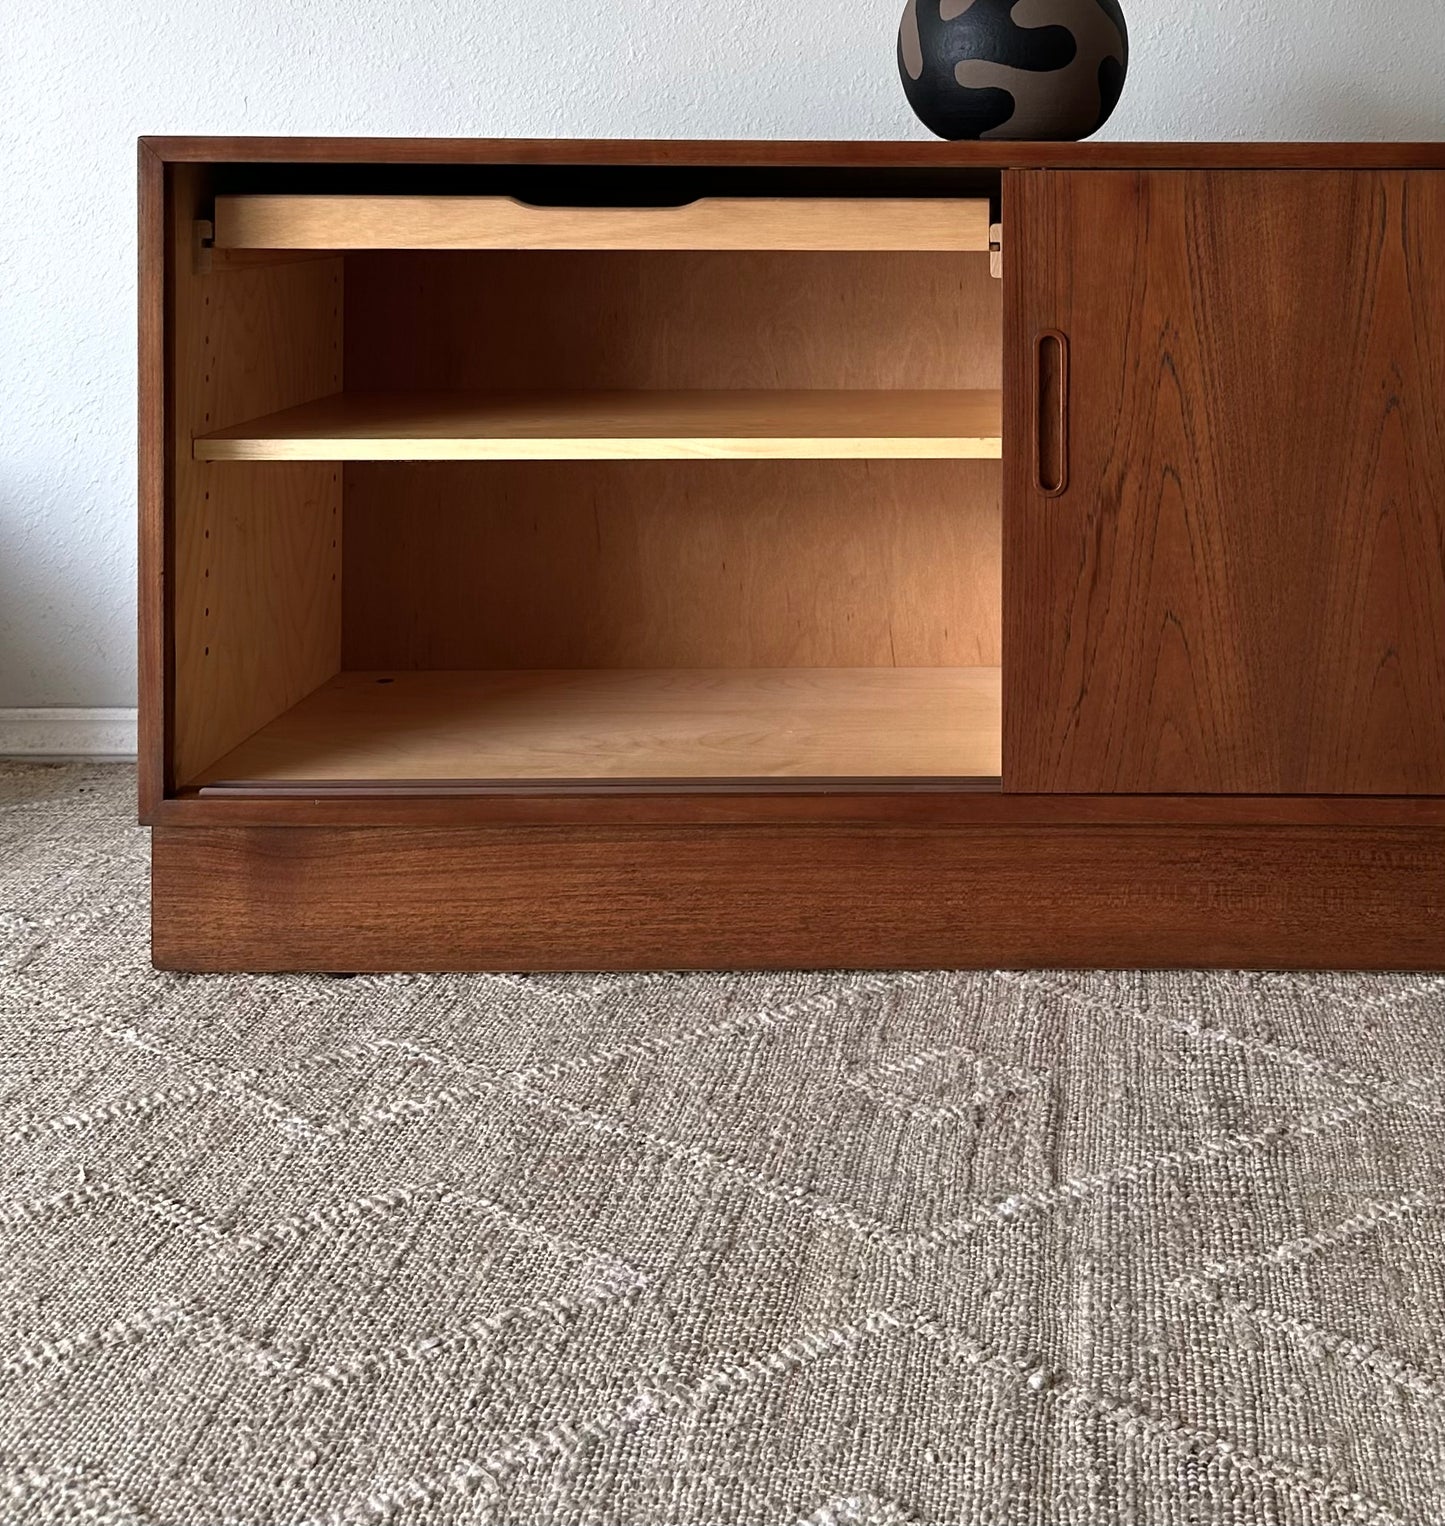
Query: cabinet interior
(619, 517)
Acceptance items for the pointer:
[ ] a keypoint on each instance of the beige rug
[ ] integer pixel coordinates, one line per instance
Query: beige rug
(746, 1248)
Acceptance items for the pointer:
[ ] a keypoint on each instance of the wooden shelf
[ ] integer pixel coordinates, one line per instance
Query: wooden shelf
(631, 426)
(636, 724)
(500, 222)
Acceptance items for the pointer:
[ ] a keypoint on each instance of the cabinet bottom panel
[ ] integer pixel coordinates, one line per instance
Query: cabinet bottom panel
(637, 898)
(368, 731)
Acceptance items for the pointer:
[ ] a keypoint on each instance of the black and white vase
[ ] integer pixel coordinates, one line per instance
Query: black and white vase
(1036, 69)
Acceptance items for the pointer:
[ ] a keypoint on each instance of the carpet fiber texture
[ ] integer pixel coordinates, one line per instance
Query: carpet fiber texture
(997, 1248)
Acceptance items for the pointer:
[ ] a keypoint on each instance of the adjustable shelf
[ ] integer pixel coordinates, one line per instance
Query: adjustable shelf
(361, 731)
(644, 425)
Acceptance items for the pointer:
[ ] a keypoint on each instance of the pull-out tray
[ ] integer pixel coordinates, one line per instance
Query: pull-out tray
(500, 222)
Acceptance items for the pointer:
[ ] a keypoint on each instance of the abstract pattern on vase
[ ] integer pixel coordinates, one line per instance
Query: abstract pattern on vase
(1022, 69)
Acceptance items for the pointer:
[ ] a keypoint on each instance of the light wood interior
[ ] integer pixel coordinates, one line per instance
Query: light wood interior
(639, 426)
(672, 564)
(773, 723)
(501, 222)
(569, 322)
(256, 620)
(617, 515)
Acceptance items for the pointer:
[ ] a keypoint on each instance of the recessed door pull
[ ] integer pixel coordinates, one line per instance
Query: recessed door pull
(1051, 413)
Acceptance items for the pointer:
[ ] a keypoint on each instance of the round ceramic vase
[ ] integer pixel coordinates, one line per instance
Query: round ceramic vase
(1022, 69)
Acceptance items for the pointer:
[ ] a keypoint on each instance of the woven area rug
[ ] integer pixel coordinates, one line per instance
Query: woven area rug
(1043, 1248)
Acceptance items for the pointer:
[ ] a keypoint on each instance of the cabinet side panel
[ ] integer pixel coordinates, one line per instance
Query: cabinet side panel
(257, 547)
(152, 664)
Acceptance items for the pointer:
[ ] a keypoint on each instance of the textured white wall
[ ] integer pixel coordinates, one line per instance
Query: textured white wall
(81, 79)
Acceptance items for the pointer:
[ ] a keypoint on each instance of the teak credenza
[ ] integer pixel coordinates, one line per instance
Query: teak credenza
(618, 555)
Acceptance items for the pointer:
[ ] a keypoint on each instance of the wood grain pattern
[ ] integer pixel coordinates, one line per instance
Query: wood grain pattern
(256, 558)
(1243, 588)
(709, 564)
(598, 898)
(632, 724)
(501, 222)
(919, 154)
(517, 322)
(784, 803)
(652, 425)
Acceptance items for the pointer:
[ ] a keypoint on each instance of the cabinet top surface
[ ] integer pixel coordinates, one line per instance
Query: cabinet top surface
(872, 154)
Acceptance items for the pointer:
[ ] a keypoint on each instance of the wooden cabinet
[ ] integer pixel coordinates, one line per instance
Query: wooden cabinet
(579, 555)
(1242, 587)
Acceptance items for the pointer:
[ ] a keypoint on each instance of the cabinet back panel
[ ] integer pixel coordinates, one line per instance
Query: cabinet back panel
(516, 321)
(672, 564)
(681, 564)
(257, 559)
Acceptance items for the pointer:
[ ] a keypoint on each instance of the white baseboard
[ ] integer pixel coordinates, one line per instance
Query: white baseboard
(67, 732)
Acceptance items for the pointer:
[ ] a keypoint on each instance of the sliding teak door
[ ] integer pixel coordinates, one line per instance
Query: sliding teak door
(1224, 516)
